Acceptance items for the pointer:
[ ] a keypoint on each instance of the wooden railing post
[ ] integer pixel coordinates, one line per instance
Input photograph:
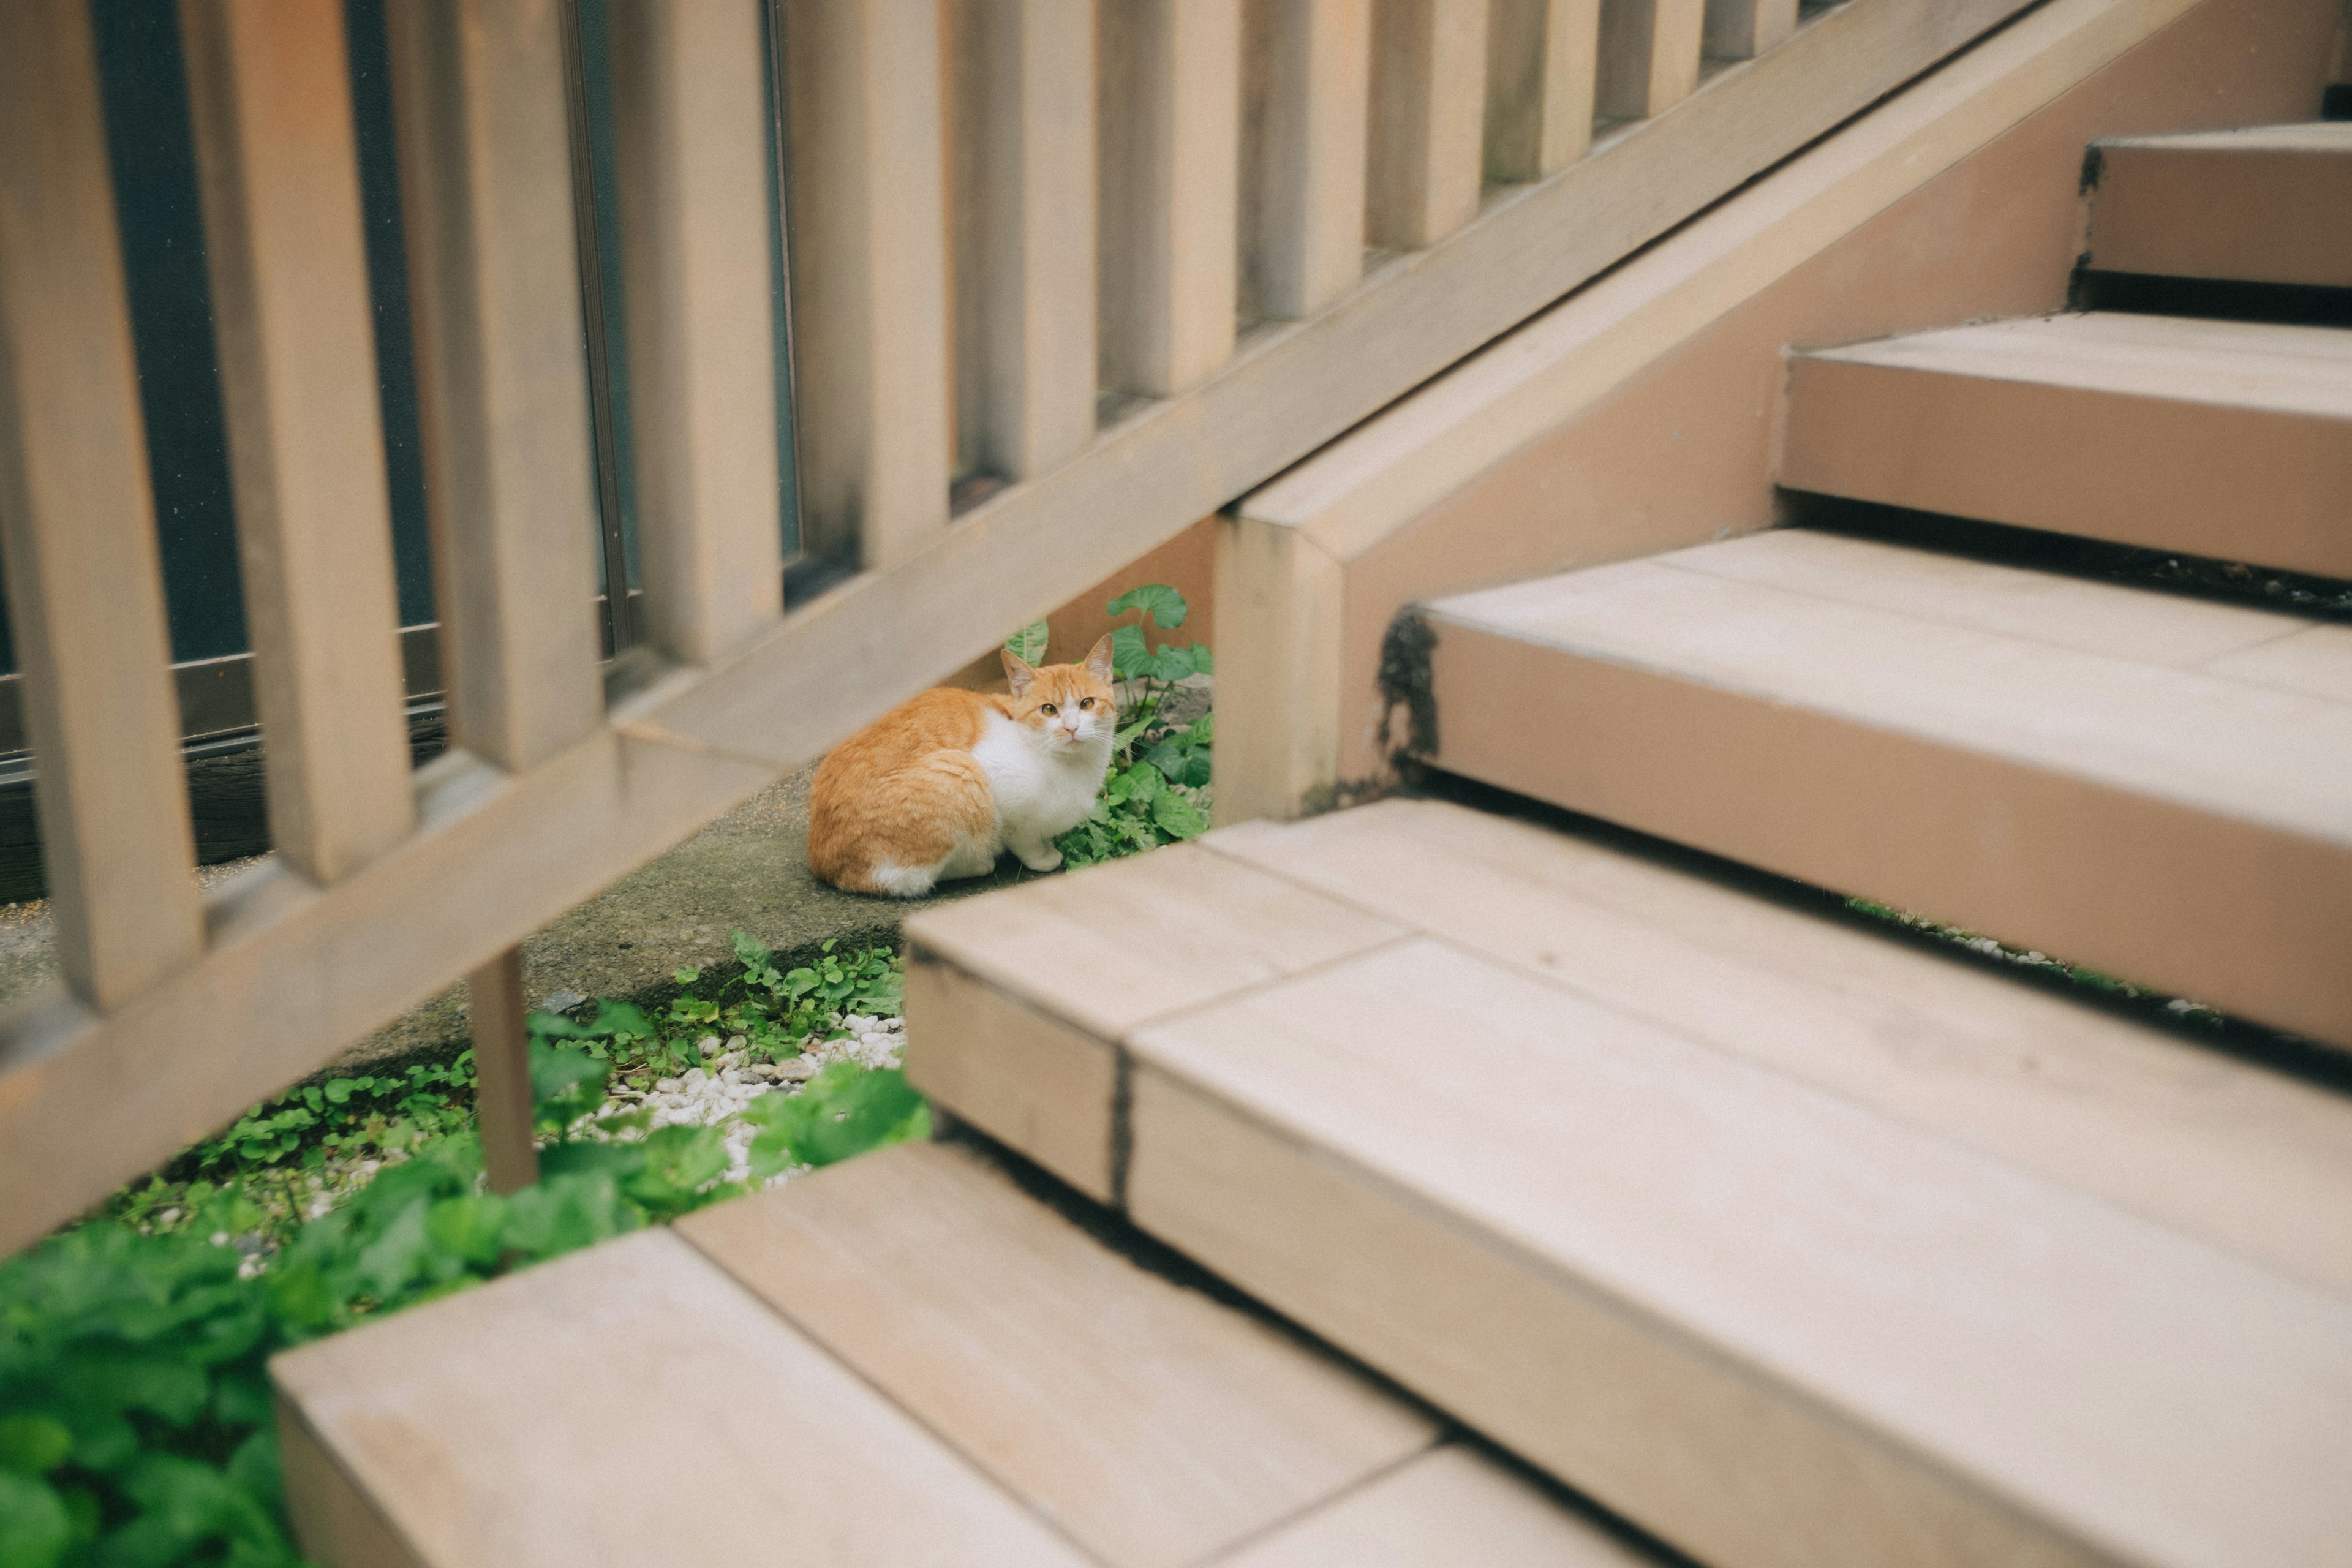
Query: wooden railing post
(1742, 29)
(270, 96)
(1169, 174)
(1303, 206)
(1649, 56)
(869, 275)
(502, 1107)
(1428, 120)
(1541, 57)
(501, 370)
(690, 136)
(77, 529)
(1024, 118)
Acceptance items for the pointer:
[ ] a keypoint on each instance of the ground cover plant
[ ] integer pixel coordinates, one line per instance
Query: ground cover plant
(1157, 790)
(135, 1421)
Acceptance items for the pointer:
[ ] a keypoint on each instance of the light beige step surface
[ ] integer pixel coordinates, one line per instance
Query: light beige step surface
(2229, 439)
(2132, 780)
(1153, 1426)
(2270, 203)
(628, 1404)
(1780, 1301)
(902, 1359)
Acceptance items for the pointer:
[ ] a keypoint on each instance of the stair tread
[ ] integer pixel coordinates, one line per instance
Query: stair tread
(1153, 1425)
(519, 1424)
(1846, 626)
(2228, 439)
(2333, 137)
(1606, 1080)
(2247, 1158)
(2251, 364)
(1892, 1285)
(1444, 1509)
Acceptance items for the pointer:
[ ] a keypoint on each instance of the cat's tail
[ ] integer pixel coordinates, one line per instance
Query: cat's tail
(899, 832)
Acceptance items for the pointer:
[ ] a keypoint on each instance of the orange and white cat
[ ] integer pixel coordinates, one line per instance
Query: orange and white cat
(936, 788)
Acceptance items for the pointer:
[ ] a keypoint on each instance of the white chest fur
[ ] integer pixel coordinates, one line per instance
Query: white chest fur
(1042, 792)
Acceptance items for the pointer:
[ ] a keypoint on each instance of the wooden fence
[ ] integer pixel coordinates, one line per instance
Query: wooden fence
(1130, 258)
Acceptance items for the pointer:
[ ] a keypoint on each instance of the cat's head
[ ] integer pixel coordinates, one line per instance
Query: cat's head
(1063, 705)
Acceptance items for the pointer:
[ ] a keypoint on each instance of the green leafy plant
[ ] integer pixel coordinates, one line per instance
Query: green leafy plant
(844, 1110)
(1151, 794)
(1028, 644)
(363, 1112)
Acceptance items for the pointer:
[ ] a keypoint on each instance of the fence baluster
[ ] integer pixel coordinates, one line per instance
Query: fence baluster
(501, 370)
(868, 276)
(1024, 120)
(78, 528)
(1541, 58)
(690, 138)
(1303, 211)
(1742, 29)
(1649, 54)
(1170, 118)
(271, 103)
(502, 1106)
(1428, 120)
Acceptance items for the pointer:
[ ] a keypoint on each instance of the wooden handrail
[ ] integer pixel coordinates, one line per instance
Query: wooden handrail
(1207, 175)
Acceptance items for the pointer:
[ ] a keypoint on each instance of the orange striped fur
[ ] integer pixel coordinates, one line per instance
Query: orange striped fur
(940, 785)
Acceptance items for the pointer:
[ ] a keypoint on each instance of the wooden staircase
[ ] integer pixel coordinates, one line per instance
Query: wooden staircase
(1747, 1230)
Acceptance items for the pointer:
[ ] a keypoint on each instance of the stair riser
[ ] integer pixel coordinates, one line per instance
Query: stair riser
(2234, 483)
(2234, 914)
(2251, 216)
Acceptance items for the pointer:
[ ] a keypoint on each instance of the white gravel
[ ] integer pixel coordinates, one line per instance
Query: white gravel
(730, 1077)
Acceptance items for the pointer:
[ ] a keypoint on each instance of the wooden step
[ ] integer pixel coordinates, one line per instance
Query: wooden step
(2230, 439)
(899, 1360)
(2152, 786)
(2271, 204)
(1794, 1244)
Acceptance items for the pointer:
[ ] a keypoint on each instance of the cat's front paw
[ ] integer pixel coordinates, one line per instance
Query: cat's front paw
(1044, 859)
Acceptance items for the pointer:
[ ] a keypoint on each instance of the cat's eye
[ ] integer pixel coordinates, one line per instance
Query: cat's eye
(1085, 702)
(1047, 710)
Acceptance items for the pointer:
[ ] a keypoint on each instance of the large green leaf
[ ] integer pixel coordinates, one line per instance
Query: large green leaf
(33, 1444)
(35, 1529)
(1164, 604)
(1028, 644)
(1178, 816)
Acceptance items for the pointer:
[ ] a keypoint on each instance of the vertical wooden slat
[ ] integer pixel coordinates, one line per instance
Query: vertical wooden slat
(502, 1108)
(1542, 58)
(1303, 208)
(869, 275)
(1170, 118)
(77, 529)
(1649, 54)
(1024, 120)
(691, 132)
(501, 370)
(1428, 120)
(269, 92)
(1742, 29)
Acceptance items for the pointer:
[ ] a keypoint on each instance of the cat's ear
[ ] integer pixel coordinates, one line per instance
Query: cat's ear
(1017, 671)
(1099, 660)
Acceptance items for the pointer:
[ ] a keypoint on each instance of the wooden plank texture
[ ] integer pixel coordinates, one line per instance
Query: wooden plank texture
(2269, 205)
(1542, 62)
(2250, 1161)
(1649, 56)
(690, 129)
(1426, 158)
(1309, 64)
(1152, 1425)
(1769, 1326)
(77, 529)
(1742, 29)
(2183, 830)
(1170, 82)
(502, 372)
(868, 276)
(2222, 438)
(497, 1007)
(509, 1425)
(271, 105)
(1451, 1506)
(1024, 126)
